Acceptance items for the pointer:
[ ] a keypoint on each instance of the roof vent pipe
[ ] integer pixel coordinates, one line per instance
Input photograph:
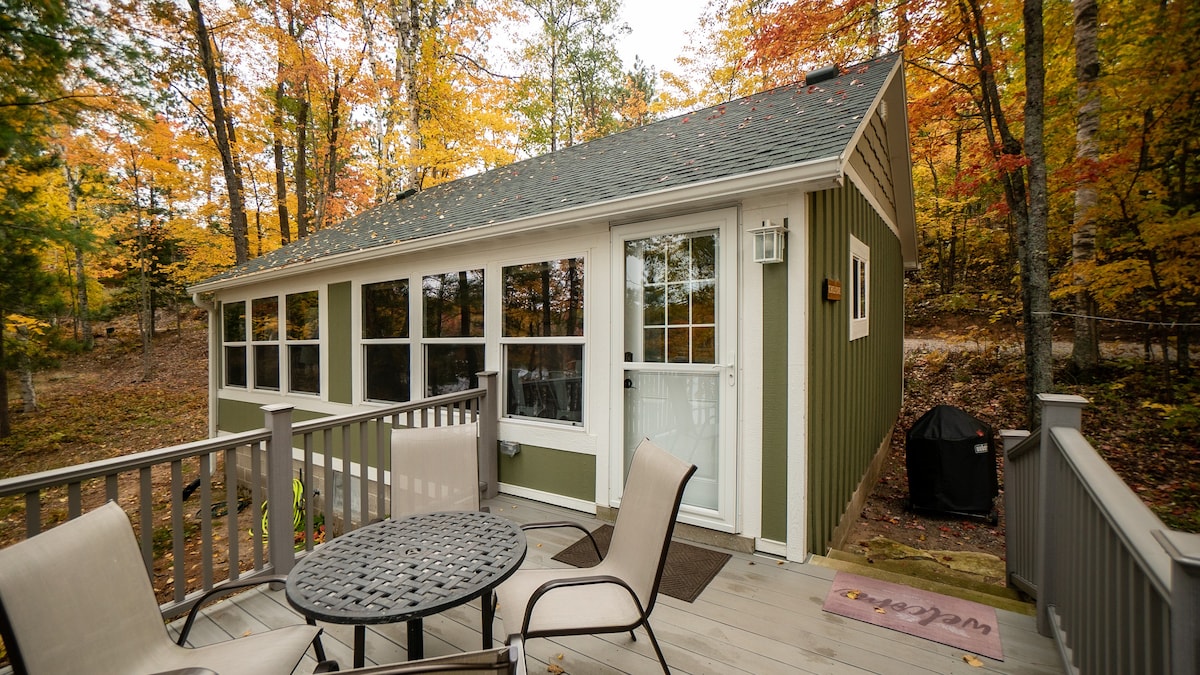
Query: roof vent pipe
(821, 74)
(406, 194)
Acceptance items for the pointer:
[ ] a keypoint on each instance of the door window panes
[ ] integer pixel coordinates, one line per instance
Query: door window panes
(671, 304)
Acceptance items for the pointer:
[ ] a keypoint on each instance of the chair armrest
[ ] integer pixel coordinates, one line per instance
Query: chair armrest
(566, 523)
(577, 581)
(219, 591)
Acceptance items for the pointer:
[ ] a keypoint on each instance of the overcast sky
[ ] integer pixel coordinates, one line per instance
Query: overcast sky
(658, 30)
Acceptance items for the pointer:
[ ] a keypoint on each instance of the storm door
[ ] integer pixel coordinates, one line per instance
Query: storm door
(677, 366)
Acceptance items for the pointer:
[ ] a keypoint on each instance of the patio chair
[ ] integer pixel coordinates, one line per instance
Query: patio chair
(508, 660)
(618, 594)
(435, 469)
(77, 599)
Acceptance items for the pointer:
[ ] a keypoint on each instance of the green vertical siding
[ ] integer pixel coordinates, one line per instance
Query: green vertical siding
(338, 342)
(854, 387)
(775, 401)
(554, 471)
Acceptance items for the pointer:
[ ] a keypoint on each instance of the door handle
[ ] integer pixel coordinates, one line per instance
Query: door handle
(628, 383)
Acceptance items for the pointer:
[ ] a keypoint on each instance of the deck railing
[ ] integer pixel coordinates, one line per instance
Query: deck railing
(316, 478)
(1116, 589)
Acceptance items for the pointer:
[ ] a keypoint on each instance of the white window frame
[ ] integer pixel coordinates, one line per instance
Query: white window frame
(505, 341)
(860, 289)
(244, 343)
(423, 342)
(279, 340)
(364, 342)
(286, 343)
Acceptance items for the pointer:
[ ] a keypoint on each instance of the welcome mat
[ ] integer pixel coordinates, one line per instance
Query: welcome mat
(932, 616)
(688, 569)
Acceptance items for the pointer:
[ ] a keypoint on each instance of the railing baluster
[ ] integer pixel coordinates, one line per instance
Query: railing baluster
(329, 482)
(178, 538)
(74, 499)
(256, 500)
(310, 500)
(231, 513)
(33, 513)
(146, 515)
(364, 478)
(206, 525)
(383, 446)
(347, 482)
(112, 489)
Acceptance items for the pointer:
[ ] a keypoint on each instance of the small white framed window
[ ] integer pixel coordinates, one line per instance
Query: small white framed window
(860, 289)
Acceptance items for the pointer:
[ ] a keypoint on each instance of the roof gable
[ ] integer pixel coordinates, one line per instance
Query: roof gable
(786, 126)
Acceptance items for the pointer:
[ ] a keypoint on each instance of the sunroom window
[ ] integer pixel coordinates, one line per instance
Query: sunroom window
(543, 340)
(233, 335)
(452, 308)
(303, 342)
(264, 336)
(386, 345)
(254, 349)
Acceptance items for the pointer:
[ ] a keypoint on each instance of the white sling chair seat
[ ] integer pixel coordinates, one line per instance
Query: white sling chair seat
(617, 594)
(77, 599)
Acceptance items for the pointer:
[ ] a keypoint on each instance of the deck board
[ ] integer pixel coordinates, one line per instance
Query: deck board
(757, 616)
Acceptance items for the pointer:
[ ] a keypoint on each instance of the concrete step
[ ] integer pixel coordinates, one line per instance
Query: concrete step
(926, 575)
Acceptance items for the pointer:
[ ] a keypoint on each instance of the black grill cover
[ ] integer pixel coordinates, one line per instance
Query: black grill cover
(951, 461)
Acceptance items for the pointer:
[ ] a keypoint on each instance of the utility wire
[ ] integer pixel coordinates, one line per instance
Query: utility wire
(1172, 324)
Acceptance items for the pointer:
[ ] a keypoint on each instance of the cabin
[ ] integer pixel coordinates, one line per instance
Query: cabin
(728, 283)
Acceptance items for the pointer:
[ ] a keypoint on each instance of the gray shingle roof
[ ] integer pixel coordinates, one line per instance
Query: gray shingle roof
(772, 129)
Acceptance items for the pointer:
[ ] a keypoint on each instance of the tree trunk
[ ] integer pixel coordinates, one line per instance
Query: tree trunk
(1035, 264)
(302, 215)
(329, 185)
(1085, 354)
(1007, 150)
(221, 125)
(85, 318)
(28, 393)
(5, 425)
(285, 230)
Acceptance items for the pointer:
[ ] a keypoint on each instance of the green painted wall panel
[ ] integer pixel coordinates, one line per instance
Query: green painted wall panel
(338, 344)
(854, 387)
(564, 473)
(775, 401)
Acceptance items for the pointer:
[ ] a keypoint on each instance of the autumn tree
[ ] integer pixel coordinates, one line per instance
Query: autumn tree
(1085, 353)
(573, 83)
(222, 129)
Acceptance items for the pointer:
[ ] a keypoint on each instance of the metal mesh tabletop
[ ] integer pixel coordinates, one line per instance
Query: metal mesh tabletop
(397, 570)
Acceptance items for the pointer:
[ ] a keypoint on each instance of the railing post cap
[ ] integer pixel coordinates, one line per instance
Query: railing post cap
(1183, 547)
(277, 407)
(1068, 400)
(1014, 433)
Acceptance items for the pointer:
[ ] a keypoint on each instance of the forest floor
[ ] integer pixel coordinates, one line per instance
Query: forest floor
(99, 405)
(1150, 439)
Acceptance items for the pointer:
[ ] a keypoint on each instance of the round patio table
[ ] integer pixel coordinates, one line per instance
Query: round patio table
(405, 569)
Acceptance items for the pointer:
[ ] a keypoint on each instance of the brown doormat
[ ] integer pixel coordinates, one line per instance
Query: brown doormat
(688, 569)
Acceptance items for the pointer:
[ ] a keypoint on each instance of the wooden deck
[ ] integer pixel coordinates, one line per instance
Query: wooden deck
(758, 616)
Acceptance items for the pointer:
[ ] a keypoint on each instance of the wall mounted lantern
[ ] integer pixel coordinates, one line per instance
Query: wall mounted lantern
(768, 241)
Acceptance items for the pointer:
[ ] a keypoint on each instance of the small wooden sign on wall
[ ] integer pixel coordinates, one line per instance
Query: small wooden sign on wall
(833, 289)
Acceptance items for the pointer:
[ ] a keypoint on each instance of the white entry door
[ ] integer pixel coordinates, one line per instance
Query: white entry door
(677, 371)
